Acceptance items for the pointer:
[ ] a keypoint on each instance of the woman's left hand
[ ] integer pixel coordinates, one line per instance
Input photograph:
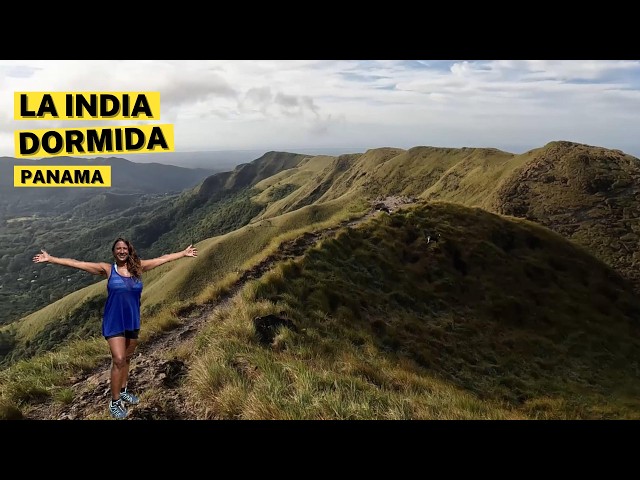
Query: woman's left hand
(191, 251)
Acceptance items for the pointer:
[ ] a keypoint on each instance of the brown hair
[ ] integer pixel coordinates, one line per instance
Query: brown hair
(134, 266)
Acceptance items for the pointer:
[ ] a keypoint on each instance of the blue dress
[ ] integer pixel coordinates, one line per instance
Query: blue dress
(122, 310)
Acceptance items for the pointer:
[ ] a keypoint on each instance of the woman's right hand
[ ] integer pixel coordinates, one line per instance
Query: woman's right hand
(41, 257)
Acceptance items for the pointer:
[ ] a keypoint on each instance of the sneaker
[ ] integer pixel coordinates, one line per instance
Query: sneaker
(117, 409)
(129, 398)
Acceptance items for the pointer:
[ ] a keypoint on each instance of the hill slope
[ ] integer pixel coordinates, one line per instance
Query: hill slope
(504, 309)
(499, 318)
(590, 195)
(556, 186)
(84, 226)
(519, 317)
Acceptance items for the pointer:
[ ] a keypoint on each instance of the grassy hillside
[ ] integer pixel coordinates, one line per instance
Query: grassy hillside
(168, 289)
(78, 315)
(498, 319)
(156, 224)
(590, 195)
(279, 193)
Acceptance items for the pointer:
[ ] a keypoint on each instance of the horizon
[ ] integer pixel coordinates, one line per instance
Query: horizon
(294, 105)
(230, 158)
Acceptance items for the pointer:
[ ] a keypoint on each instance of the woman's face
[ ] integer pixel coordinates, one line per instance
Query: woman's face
(121, 251)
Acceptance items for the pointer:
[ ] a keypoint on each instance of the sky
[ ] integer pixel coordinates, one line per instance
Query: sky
(289, 105)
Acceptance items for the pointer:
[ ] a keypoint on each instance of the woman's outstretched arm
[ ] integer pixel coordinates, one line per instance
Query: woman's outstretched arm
(91, 267)
(147, 265)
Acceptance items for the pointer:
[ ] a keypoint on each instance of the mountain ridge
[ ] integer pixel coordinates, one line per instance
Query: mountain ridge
(517, 241)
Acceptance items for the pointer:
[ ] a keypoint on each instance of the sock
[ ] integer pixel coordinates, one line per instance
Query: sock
(123, 389)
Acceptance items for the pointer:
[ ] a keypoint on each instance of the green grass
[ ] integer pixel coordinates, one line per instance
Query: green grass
(506, 317)
(47, 376)
(312, 377)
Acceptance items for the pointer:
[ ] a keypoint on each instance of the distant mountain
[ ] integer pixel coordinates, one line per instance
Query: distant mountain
(126, 177)
(223, 160)
(248, 174)
(215, 160)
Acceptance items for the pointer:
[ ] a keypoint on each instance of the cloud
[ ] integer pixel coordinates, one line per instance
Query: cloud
(295, 105)
(225, 104)
(325, 125)
(260, 96)
(270, 104)
(17, 71)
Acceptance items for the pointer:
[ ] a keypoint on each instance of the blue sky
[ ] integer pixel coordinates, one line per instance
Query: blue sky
(513, 105)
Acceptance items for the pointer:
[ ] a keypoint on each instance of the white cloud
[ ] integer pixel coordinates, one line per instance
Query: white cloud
(287, 104)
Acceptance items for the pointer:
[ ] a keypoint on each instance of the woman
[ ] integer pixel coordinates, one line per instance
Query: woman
(121, 318)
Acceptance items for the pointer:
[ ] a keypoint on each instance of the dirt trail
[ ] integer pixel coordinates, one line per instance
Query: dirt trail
(153, 366)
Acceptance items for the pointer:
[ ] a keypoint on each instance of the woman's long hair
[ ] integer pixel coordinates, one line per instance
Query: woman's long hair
(134, 266)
